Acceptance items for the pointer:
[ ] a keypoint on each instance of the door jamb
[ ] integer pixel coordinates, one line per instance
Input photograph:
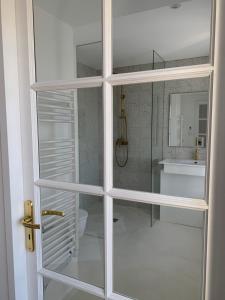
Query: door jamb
(13, 170)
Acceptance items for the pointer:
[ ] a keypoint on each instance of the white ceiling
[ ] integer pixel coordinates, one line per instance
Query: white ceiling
(138, 28)
(82, 12)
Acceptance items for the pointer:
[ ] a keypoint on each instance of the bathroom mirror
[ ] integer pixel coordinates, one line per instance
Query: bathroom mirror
(188, 119)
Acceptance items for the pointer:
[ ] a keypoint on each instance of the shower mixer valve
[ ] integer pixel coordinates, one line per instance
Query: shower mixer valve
(121, 142)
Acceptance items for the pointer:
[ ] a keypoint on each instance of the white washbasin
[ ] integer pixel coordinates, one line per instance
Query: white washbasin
(184, 167)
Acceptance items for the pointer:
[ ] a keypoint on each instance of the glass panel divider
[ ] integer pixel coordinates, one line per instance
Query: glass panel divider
(87, 82)
(195, 71)
(108, 143)
(89, 288)
(129, 195)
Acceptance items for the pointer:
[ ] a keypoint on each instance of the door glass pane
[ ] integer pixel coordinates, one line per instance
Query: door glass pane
(54, 290)
(159, 138)
(73, 245)
(161, 260)
(71, 135)
(68, 38)
(179, 31)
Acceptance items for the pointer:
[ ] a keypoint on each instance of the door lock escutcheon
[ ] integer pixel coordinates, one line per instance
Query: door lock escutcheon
(27, 222)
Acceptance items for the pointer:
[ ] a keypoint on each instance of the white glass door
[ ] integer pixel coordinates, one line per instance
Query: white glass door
(123, 210)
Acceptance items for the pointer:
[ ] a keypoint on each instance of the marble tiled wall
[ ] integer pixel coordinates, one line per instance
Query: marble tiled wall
(147, 107)
(147, 146)
(90, 135)
(90, 131)
(137, 173)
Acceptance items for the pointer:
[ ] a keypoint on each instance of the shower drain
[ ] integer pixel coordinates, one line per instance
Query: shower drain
(115, 220)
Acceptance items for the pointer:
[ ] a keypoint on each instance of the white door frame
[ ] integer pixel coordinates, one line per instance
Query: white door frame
(12, 155)
(17, 153)
(3, 255)
(215, 288)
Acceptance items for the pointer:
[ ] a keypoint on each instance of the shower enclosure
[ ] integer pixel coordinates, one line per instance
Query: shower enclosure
(144, 107)
(71, 123)
(138, 122)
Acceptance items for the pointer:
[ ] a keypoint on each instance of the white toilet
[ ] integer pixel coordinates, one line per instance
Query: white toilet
(83, 215)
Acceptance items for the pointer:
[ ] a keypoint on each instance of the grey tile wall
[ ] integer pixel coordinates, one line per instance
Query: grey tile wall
(147, 146)
(90, 134)
(146, 105)
(137, 173)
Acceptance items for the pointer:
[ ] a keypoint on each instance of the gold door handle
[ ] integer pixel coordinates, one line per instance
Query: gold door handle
(28, 223)
(53, 213)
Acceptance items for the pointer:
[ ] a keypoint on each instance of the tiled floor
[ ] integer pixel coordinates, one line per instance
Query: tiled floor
(163, 262)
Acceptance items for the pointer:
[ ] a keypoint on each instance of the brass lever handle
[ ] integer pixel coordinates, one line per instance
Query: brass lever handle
(53, 213)
(28, 223)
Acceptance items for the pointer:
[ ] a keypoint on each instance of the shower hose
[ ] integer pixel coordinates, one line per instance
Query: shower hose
(122, 143)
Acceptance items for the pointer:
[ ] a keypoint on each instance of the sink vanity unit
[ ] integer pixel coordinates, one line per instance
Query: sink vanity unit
(182, 178)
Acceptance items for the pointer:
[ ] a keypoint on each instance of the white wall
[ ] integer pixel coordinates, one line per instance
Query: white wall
(54, 47)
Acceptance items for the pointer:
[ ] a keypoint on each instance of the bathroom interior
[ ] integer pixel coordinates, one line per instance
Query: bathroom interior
(159, 145)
